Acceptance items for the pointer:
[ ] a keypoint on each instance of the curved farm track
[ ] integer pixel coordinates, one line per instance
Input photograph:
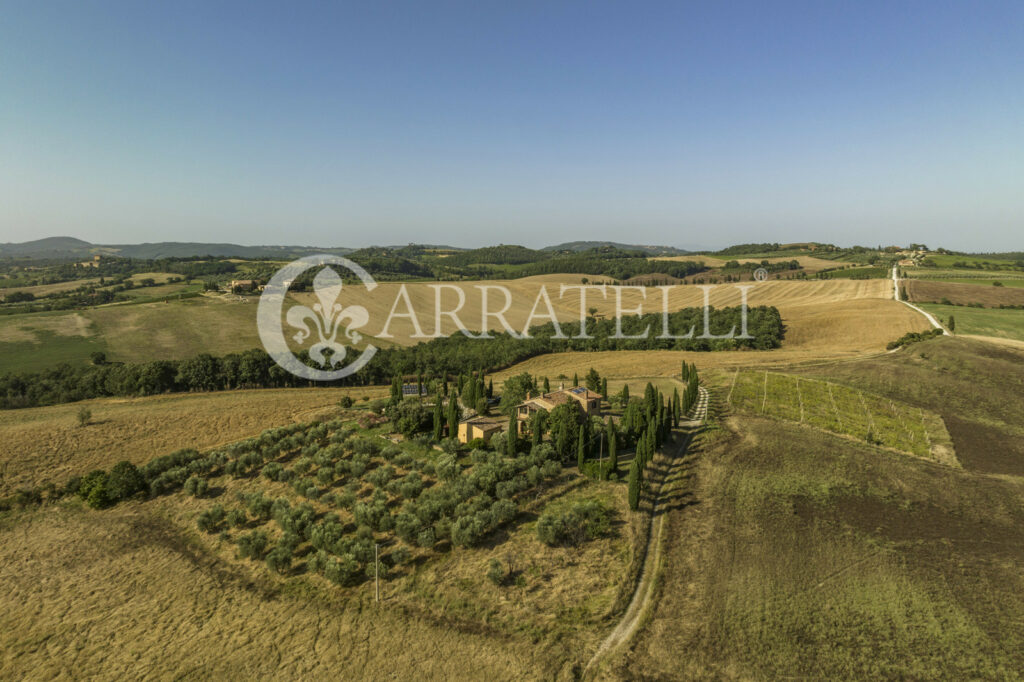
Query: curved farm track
(639, 604)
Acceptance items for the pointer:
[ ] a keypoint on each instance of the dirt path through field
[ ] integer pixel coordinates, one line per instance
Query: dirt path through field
(631, 619)
(896, 295)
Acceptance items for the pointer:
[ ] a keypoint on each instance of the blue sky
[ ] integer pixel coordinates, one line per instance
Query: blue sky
(690, 124)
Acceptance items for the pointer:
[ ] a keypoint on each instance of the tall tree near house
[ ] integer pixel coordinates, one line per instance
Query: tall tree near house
(512, 442)
(604, 388)
(593, 380)
(613, 460)
(575, 379)
(453, 417)
(547, 385)
(624, 395)
(490, 388)
(634, 485)
(438, 420)
(536, 425)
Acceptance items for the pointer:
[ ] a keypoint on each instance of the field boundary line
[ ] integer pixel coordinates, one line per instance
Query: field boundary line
(728, 398)
(764, 400)
(835, 408)
(800, 397)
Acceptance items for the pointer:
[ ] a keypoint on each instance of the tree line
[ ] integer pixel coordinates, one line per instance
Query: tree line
(455, 354)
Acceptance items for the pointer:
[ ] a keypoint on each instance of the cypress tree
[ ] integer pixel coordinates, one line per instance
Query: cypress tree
(580, 454)
(438, 421)
(613, 460)
(490, 388)
(625, 394)
(575, 379)
(634, 486)
(604, 388)
(453, 417)
(511, 443)
(536, 429)
(547, 385)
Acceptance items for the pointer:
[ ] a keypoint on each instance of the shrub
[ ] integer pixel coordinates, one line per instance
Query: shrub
(124, 481)
(197, 487)
(345, 402)
(410, 486)
(583, 521)
(399, 556)
(469, 530)
(279, 559)
(496, 572)
(93, 489)
(343, 570)
(210, 519)
(272, 471)
(84, 416)
(237, 518)
(251, 545)
(425, 538)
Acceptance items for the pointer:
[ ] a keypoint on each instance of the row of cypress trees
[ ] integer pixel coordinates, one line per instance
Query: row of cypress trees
(661, 419)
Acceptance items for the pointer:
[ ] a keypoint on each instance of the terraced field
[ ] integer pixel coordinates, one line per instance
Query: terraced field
(843, 410)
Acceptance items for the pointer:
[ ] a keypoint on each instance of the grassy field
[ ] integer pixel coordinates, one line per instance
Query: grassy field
(975, 387)
(40, 340)
(800, 555)
(942, 260)
(1006, 324)
(842, 410)
(196, 609)
(45, 443)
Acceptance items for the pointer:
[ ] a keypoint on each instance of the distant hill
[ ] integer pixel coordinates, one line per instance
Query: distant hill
(646, 248)
(69, 247)
(50, 247)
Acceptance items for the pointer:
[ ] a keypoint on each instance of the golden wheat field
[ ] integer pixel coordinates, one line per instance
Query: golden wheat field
(43, 444)
(527, 304)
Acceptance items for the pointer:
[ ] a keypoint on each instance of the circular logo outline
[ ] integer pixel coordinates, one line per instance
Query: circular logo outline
(271, 307)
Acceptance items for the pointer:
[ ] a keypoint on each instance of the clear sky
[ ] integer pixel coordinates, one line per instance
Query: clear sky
(346, 124)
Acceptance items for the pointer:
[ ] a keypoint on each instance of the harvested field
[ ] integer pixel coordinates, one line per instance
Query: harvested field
(800, 555)
(43, 444)
(814, 333)
(125, 593)
(925, 291)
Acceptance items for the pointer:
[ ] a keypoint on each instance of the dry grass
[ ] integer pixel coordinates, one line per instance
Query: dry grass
(787, 295)
(46, 444)
(814, 333)
(807, 263)
(925, 291)
(126, 593)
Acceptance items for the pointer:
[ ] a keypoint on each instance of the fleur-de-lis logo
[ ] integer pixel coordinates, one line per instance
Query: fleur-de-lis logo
(329, 323)
(328, 318)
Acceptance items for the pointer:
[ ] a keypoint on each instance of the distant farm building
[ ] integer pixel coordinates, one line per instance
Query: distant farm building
(243, 285)
(480, 427)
